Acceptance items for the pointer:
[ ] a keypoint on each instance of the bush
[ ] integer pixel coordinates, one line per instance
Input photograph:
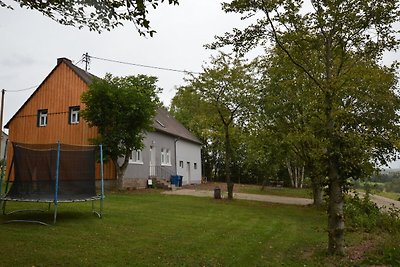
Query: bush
(362, 213)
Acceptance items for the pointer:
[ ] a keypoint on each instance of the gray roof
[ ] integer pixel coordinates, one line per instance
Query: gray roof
(164, 122)
(84, 75)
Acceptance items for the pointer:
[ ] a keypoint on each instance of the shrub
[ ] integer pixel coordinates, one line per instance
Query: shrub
(362, 213)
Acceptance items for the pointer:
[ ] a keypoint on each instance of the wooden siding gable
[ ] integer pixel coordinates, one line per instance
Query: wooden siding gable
(84, 76)
(61, 90)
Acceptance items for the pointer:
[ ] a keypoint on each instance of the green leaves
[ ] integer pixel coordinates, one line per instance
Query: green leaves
(122, 108)
(97, 15)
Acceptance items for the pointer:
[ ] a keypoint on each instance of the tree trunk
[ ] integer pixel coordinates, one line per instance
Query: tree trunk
(296, 175)
(317, 191)
(228, 156)
(335, 206)
(301, 177)
(264, 182)
(120, 169)
(289, 168)
(335, 216)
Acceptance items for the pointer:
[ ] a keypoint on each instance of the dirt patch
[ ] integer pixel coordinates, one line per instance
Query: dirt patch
(357, 253)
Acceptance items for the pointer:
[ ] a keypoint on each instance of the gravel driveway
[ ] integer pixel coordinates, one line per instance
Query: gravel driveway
(380, 201)
(264, 198)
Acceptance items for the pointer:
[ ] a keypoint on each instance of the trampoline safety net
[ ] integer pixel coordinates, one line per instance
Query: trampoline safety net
(54, 173)
(35, 168)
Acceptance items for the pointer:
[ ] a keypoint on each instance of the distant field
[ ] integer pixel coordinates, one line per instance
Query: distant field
(151, 229)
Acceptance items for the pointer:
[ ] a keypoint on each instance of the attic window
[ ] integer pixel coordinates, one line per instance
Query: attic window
(42, 118)
(159, 122)
(74, 115)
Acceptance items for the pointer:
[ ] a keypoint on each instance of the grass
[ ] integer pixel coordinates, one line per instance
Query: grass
(391, 195)
(276, 191)
(151, 229)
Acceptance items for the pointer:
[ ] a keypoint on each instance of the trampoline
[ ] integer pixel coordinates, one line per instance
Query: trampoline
(53, 174)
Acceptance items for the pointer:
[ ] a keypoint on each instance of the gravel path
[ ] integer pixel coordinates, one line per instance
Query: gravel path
(383, 201)
(264, 198)
(380, 201)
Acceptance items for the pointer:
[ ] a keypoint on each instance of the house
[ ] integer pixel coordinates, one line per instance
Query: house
(170, 150)
(51, 114)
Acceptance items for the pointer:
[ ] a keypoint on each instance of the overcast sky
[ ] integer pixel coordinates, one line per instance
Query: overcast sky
(31, 43)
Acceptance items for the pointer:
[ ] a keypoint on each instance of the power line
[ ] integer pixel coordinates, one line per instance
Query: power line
(87, 57)
(20, 90)
(144, 66)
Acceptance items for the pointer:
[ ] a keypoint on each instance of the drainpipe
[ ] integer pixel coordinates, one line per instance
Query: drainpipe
(176, 162)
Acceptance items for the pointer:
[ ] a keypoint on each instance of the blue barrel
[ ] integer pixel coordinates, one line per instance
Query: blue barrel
(175, 180)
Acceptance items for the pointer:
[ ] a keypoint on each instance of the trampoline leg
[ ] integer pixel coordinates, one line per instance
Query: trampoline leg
(101, 206)
(4, 207)
(99, 213)
(55, 213)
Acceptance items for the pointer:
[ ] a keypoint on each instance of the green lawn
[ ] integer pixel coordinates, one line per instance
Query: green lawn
(151, 229)
(391, 195)
(276, 191)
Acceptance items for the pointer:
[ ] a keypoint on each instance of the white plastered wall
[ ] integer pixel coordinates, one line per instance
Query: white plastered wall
(188, 160)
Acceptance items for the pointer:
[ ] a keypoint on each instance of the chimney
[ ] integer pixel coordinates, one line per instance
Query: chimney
(61, 59)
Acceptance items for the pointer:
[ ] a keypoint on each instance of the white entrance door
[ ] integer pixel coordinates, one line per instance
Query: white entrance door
(188, 172)
(152, 161)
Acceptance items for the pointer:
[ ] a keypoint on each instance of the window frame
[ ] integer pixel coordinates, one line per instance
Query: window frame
(74, 113)
(136, 157)
(42, 117)
(165, 157)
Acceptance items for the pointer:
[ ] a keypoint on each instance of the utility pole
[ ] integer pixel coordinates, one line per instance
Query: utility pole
(1, 117)
(86, 59)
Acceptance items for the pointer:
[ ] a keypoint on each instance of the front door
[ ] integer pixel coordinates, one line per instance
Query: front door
(152, 161)
(188, 172)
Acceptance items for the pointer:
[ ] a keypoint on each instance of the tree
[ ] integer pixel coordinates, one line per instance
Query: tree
(359, 105)
(96, 15)
(198, 116)
(122, 109)
(226, 86)
(290, 110)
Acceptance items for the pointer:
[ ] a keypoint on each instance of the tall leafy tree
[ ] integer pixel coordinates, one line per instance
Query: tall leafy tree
(96, 15)
(290, 110)
(226, 85)
(198, 116)
(122, 109)
(359, 106)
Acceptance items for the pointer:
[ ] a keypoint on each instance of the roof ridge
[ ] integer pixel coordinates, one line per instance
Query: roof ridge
(85, 76)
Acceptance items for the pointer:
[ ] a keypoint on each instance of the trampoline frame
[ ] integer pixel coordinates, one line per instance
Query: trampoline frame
(55, 200)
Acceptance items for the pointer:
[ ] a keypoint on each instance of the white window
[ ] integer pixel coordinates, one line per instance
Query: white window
(165, 156)
(74, 115)
(42, 117)
(181, 163)
(136, 157)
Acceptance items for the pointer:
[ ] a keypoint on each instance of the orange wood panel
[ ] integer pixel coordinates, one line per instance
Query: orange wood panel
(61, 90)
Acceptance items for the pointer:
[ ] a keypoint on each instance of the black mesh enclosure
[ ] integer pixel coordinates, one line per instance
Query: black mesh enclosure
(35, 168)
